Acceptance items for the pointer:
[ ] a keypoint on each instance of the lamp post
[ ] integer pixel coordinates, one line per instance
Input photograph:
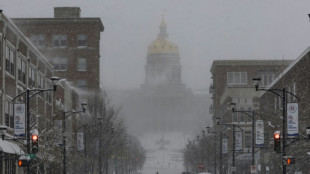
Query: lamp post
(66, 114)
(55, 81)
(233, 140)
(220, 148)
(252, 115)
(282, 93)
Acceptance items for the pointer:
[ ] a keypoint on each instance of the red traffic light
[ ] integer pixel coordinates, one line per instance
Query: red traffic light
(34, 137)
(276, 136)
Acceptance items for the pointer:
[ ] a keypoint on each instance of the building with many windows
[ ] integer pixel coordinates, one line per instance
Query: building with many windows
(70, 43)
(22, 67)
(232, 83)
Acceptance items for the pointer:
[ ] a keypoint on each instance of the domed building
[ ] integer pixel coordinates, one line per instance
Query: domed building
(163, 61)
(163, 102)
(163, 112)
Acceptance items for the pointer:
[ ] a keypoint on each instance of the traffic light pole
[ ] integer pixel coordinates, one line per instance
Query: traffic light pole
(28, 125)
(284, 116)
(284, 129)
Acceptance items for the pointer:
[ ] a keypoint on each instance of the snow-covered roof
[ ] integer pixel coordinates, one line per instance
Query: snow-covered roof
(8, 147)
(286, 70)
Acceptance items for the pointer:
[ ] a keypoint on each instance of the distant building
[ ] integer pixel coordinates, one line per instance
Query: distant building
(163, 103)
(70, 43)
(163, 112)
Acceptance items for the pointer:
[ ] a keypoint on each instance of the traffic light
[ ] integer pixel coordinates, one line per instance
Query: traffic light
(23, 161)
(289, 160)
(277, 141)
(35, 143)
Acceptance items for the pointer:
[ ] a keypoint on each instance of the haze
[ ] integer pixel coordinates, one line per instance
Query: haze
(204, 30)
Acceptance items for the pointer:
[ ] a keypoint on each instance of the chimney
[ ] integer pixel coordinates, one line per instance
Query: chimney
(67, 12)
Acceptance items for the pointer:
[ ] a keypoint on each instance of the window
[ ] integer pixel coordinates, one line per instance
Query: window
(266, 78)
(82, 64)
(21, 70)
(60, 64)
(31, 77)
(82, 84)
(40, 82)
(236, 78)
(38, 39)
(48, 95)
(241, 117)
(9, 119)
(9, 60)
(81, 40)
(60, 40)
(247, 138)
(235, 117)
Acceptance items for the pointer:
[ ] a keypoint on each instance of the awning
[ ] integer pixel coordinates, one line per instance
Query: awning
(9, 147)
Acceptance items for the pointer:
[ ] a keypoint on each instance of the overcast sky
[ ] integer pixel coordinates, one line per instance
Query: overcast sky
(204, 30)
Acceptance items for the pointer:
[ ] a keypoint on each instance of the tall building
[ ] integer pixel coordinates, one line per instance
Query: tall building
(70, 42)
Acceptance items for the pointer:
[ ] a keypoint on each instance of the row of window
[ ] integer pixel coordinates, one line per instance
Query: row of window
(59, 40)
(60, 64)
(240, 78)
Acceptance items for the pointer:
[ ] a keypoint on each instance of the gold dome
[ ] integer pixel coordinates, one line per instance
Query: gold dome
(161, 44)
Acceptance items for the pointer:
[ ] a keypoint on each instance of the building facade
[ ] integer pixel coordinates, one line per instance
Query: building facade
(294, 80)
(22, 67)
(70, 42)
(232, 83)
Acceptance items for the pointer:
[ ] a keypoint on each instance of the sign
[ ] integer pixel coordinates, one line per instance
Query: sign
(292, 120)
(31, 156)
(19, 120)
(80, 141)
(58, 131)
(238, 140)
(200, 166)
(259, 133)
(233, 168)
(224, 146)
(253, 169)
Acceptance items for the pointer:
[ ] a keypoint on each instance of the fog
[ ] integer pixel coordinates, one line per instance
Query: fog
(203, 30)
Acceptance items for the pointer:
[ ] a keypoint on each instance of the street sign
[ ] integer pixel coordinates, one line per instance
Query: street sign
(253, 168)
(31, 156)
(233, 169)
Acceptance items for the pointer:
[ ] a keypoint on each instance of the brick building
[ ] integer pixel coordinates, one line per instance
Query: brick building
(294, 79)
(70, 43)
(22, 66)
(232, 82)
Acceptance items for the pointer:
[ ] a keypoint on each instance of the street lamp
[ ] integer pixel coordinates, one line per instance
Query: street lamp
(252, 115)
(66, 114)
(284, 121)
(220, 148)
(55, 81)
(233, 140)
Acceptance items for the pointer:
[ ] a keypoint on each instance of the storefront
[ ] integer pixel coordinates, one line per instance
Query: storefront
(9, 155)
